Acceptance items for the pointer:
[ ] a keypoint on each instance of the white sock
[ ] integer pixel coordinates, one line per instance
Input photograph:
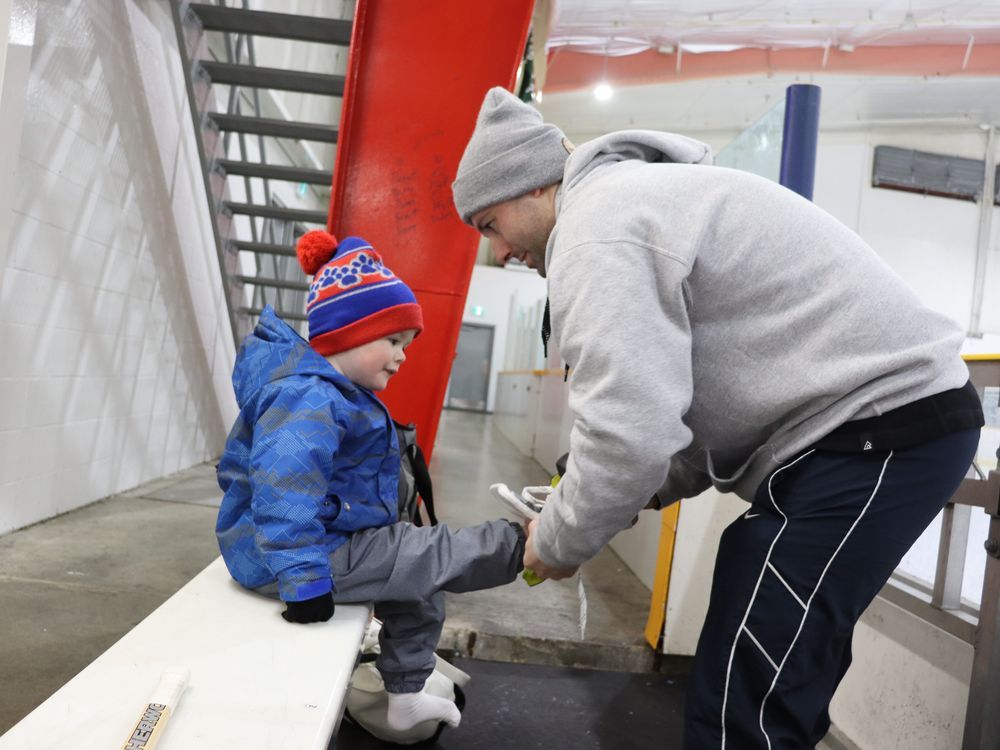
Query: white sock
(406, 710)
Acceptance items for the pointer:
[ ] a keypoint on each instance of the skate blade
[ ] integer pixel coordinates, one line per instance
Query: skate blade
(504, 494)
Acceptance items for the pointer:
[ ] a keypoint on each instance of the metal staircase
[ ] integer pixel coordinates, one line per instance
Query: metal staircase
(267, 176)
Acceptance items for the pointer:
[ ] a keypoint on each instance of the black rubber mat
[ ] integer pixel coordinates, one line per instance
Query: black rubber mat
(523, 706)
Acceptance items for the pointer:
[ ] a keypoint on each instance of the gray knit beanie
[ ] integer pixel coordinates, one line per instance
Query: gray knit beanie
(511, 152)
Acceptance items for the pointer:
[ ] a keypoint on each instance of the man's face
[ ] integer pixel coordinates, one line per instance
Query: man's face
(519, 228)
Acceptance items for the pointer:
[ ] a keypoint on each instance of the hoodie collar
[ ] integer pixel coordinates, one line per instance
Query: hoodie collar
(650, 146)
(644, 145)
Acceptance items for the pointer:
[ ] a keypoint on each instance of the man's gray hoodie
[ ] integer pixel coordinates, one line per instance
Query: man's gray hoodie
(716, 325)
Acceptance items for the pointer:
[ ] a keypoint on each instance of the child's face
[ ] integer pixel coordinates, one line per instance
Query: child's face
(371, 365)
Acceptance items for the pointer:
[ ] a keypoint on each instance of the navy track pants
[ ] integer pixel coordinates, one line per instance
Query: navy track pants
(793, 575)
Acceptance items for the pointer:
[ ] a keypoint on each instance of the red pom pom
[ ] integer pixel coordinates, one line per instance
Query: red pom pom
(314, 249)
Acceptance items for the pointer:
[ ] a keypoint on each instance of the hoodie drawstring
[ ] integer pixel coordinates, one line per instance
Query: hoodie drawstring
(546, 329)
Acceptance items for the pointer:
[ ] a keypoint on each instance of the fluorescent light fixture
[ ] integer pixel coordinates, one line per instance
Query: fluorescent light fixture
(603, 92)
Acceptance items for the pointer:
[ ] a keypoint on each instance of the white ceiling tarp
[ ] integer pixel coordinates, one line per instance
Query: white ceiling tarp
(622, 27)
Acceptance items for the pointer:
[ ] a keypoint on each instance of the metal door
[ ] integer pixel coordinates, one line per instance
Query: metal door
(470, 373)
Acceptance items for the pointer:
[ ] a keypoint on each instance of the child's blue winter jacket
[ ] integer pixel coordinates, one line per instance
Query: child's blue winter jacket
(311, 459)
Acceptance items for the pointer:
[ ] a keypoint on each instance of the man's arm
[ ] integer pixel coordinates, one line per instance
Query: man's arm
(621, 321)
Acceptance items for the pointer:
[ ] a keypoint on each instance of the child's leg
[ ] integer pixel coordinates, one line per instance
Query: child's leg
(406, 563)
(409, 635)
(404, 569)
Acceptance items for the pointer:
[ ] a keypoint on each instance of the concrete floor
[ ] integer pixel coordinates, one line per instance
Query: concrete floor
(72, 585)
(541, 624)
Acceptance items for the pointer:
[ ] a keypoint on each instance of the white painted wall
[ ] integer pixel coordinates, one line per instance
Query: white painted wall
(17, 38)
(908, 687)
(554, 418)
(496, 290)
(517, 411)
(4, 31)
(930, 241)
(532, 413)
(116, 344)
(638, 547)
(701, 522)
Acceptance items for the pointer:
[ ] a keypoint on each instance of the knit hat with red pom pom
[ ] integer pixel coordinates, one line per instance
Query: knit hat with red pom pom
(353, 298)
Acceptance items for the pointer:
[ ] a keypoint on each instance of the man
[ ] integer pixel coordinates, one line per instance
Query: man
(723, 331)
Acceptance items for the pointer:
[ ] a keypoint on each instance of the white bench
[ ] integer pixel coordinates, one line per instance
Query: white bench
(256, 681)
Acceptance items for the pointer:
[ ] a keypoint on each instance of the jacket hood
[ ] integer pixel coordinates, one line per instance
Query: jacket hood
(646, 145)
(275, 351)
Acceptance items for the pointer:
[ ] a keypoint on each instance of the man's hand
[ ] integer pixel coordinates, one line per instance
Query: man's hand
(533, 562)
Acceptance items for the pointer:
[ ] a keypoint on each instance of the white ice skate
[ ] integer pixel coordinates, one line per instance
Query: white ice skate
(536, 496)
(527, 505)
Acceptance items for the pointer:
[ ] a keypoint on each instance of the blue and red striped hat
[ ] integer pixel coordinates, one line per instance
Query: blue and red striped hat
(353, 298)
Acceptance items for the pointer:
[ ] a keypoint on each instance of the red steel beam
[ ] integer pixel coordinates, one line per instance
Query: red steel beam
(416, 76)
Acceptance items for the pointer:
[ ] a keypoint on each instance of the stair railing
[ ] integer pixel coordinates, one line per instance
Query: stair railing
(275, 277)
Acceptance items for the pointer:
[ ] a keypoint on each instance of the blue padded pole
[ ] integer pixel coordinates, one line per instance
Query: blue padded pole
(798, 143)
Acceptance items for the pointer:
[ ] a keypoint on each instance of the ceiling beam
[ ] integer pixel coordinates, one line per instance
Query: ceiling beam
(571, 71)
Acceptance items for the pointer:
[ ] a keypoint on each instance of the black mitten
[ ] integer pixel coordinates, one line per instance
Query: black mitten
(317, 609)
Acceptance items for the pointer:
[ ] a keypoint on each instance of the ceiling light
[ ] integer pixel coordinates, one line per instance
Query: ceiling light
(603, 92)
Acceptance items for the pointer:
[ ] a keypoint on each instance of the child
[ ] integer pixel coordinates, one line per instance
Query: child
(310, 475)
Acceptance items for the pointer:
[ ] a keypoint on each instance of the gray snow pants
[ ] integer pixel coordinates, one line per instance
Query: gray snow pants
(405, 570)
